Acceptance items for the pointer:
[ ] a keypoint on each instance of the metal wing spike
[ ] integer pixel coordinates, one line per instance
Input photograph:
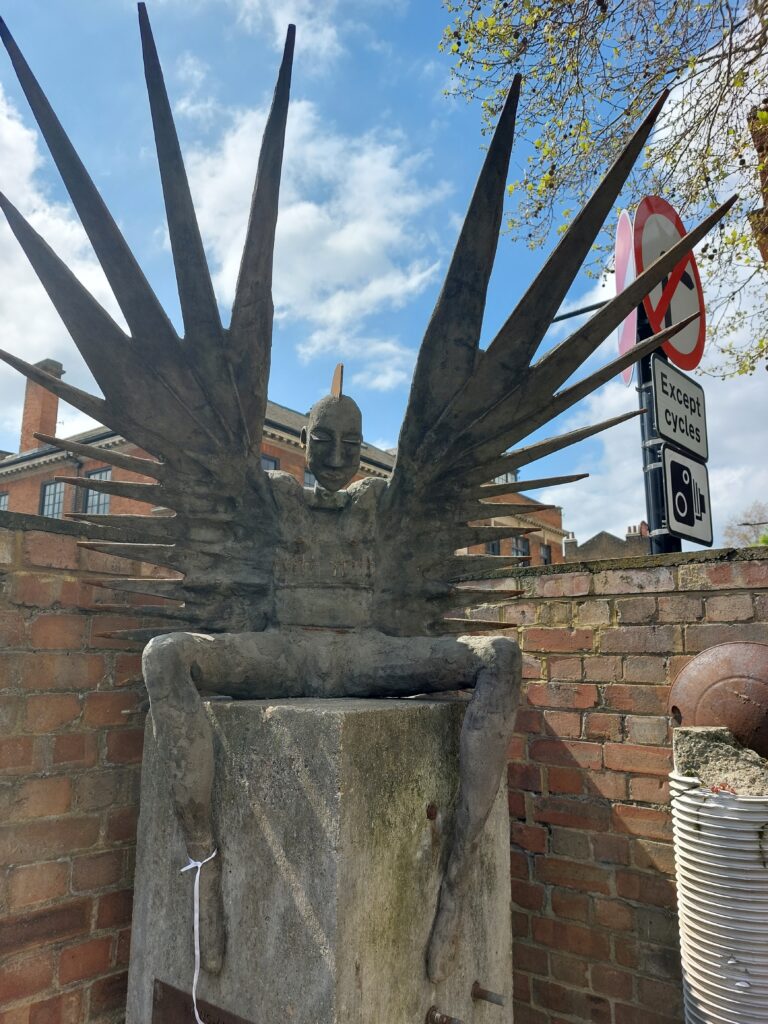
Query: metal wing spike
(492, 490)
(520, 336)
(103, 345)
(461, 568)
(150, 494)
(475, 511)
(143, 312)
(482, 595)
(91, 406)
(520, 412)
(521, 420)
(167, 555)
(522, 456)
(137, 636)
(252, 310)
(467, 536)
(145, 586)
(506, 360)
(564, 359)
(202, 324)
(145, 467)
(565, 399)
(449, 350)
(469, 626)
(158, 528)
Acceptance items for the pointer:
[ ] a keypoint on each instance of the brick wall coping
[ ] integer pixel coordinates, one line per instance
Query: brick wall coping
(709, 556)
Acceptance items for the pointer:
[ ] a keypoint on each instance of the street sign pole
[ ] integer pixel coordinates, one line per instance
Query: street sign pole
(653, 470)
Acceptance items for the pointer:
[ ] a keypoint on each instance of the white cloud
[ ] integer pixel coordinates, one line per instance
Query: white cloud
(195, 101)
(318, 20)
(31, 326)
(348, 244)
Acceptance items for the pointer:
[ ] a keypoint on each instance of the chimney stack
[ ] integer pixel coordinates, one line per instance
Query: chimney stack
(40, 408)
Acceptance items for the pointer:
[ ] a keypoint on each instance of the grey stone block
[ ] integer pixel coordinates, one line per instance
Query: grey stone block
(331, 868)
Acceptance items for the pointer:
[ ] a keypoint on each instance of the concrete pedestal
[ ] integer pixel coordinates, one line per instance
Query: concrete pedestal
(331, 869)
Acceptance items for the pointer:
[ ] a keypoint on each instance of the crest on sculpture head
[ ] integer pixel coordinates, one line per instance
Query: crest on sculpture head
(196, 403)
(333, 437)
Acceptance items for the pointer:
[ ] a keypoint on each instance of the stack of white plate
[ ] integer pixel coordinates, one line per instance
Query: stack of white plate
(721, 855)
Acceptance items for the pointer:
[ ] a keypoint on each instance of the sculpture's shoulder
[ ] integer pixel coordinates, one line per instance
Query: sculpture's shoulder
(285, 488)
(368, 492)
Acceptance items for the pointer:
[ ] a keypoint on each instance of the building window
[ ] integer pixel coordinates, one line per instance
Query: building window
(52, 500)
(493, 547)
(4, 502)
(97, 502)
(545, 553)
(309, 479)
(507, 478)
(269, 462)
(521, 547)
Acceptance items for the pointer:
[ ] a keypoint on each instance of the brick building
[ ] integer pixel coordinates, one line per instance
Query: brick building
(607, 545)
(28, 479)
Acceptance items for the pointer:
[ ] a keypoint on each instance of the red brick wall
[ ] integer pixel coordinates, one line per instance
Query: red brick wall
(592, 865)
(591, 857)
(70, 752)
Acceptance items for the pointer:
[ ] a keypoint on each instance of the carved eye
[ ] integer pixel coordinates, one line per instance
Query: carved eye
(319, 436)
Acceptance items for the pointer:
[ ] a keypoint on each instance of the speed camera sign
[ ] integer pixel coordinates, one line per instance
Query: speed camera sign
(686, 494)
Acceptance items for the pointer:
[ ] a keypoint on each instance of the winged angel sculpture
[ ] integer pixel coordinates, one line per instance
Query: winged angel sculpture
(342, 590)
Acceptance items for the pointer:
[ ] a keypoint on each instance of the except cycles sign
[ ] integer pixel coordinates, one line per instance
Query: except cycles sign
(679, 409)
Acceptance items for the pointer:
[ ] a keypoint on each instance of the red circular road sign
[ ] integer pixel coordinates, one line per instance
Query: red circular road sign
(625, 274)
(657, 228)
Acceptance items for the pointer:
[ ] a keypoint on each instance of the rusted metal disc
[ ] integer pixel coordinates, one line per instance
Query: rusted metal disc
(726, 685)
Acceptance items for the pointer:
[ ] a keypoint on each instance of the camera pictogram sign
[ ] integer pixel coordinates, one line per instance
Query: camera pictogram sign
(686, 495)
(657, 228)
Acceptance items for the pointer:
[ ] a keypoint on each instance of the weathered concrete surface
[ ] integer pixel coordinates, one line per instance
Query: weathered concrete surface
(712, 754)
(331, 868)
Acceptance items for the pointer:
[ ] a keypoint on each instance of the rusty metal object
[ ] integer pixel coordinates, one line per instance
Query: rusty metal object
(478, 992)
(726, 685)
(172, 1006)
(435, 1017)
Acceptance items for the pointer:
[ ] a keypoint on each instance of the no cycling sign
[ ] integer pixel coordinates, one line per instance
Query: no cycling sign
(657, 228)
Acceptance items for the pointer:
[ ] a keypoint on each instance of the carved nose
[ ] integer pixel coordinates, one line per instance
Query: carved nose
(336, 458)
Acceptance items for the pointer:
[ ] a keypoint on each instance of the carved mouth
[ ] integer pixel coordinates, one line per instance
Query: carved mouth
(334, 475)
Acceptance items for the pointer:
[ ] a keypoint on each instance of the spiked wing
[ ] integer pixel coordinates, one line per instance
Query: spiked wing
(467, 407)
(196, 405)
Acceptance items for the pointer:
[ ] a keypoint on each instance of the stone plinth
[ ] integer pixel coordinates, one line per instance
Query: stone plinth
(331, 868)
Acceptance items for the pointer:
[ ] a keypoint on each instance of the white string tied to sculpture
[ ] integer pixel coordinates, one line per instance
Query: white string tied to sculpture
(197, 864)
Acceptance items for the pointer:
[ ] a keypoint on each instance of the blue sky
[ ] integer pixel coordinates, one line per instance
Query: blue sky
(378, 171)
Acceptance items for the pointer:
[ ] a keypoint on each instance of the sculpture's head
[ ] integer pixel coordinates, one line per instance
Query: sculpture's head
(333, 437)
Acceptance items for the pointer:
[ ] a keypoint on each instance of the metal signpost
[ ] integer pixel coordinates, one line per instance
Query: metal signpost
(673, 424)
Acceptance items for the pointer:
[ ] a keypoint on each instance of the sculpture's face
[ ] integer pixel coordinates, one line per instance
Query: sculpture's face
(333, 438)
